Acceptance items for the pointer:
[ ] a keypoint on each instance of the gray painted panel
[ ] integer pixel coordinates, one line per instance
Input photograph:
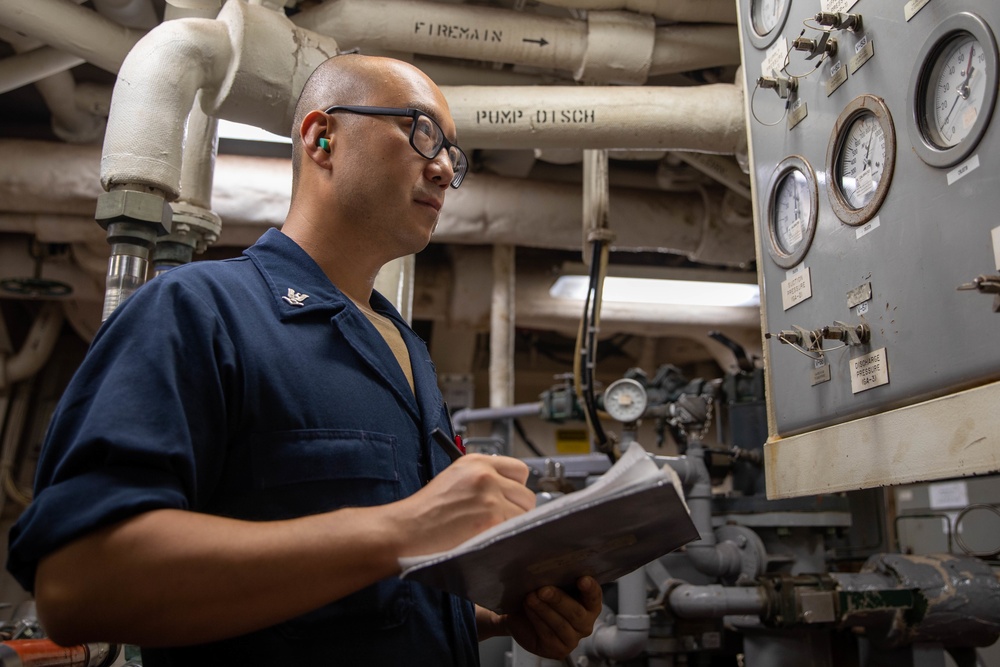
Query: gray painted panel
(931, 236)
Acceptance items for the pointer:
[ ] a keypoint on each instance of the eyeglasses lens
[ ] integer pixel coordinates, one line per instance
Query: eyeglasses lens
(428, 139)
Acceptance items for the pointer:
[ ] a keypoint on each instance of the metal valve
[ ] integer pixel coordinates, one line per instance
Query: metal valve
(839, 20)
(816, 47)
(985, 285)
(845, 333)
(784, 87)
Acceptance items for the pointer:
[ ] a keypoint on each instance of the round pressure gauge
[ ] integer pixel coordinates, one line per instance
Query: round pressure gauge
(767, 18)
(792, 208)
(860, 159)
(625, 400)
(954, 89)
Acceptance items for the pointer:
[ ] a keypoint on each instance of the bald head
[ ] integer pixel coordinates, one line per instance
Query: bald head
(351, 79)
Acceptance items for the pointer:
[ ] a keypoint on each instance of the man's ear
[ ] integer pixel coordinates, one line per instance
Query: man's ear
(317, 136)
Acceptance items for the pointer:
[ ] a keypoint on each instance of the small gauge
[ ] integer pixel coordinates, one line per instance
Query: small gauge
(954, 90)
(860, 159)
(792, 208)
(767, 18)
(625, 400)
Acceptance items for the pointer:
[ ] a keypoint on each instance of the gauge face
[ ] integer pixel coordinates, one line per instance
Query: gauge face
(766, 14)
(791, 210)
(861, 157)
(625, 400)
(861, 160)
(767, 17)
(954, 90)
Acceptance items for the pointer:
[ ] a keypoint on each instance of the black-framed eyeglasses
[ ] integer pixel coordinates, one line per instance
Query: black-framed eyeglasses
(426, 136)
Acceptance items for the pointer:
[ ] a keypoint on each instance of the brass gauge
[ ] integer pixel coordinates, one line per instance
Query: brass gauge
(860, 159)
(792, 209)
(954, 89)
(767, 18)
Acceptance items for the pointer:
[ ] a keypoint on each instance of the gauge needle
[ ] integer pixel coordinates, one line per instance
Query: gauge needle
(963, 88)
(868, 147)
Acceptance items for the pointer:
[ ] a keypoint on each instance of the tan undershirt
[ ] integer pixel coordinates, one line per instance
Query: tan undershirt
(392, 338)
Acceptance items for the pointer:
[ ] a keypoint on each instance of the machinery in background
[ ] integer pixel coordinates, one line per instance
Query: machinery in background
(772, 583)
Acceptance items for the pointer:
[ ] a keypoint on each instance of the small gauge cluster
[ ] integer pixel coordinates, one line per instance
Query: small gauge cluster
(951, 97)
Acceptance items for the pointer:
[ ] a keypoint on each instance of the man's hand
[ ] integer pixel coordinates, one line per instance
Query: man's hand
(474, 493)
(550, 623)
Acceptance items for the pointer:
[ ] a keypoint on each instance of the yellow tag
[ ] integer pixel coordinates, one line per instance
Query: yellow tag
(572, 441)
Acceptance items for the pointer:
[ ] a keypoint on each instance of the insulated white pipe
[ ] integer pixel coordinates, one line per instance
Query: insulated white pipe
(689, 11)
(69, 123)
(251, 194)
(77, 30)
(247, 66)
(499, 35)
(156, 88)
(130, 13)
(705, 119)
(25, 68)
(37, 347)
(502, 328)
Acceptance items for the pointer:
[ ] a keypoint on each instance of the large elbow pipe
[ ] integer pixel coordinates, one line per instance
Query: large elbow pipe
(247, 66)
(37, 346)
(628, 635)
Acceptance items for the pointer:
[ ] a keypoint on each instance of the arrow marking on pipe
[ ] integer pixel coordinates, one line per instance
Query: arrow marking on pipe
(540, 42)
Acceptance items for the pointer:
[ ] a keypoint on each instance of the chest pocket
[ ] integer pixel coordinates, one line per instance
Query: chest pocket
(310, 471)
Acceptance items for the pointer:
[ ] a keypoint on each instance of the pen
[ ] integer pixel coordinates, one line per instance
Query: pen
(446, 443)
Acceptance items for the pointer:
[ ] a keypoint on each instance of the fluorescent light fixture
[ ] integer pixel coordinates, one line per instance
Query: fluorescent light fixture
(659, 291)
(231, 130)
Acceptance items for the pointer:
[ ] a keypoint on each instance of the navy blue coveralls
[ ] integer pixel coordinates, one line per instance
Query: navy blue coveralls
(253, 388)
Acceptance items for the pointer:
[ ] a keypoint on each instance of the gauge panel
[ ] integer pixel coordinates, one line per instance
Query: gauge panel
(953, 89)
(861, 157)
(767, 19)
(792, 210)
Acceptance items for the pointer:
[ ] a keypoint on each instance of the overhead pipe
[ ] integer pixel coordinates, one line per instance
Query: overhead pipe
(251, 194)
(706, 119)
(130, 13)
(31, 66)
(68, 27)
(690, 11)
(607, 47)
(37, 347)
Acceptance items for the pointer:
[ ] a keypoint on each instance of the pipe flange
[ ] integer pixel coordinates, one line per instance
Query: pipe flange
(753, 554)
(197, 224)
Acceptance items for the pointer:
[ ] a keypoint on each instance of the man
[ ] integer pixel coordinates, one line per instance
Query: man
(245, 453)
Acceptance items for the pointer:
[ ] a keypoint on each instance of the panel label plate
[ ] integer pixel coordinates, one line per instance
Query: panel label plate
(796, 289)
(963, 169)
(838, 75)
(911, 8)
(869, 371)
(859, 294)
(774, 59)
(797, 113)
(819, 375)
(837, 5)
(867, 227)
(865, 49)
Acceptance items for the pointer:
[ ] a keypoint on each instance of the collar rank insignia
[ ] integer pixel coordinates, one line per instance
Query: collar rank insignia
(295, 298)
